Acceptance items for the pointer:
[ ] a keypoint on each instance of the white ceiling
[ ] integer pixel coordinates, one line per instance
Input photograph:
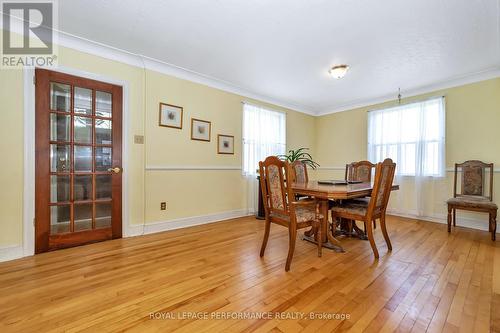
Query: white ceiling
(284, 48)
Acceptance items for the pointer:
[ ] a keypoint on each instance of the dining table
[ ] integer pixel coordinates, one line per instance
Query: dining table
(325, 193)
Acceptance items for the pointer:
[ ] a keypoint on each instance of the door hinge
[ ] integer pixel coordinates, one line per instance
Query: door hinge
(34, 222)
(34, 79)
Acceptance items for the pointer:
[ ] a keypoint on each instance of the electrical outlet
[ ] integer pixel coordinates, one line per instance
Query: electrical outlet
(163, 206)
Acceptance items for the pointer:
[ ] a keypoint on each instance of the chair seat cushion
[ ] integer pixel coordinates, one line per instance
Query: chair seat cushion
(303, 213)
(351, 207)
(472, 201)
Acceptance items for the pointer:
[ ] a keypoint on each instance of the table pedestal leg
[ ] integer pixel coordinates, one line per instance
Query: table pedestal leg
(350, 229)
(328, 240)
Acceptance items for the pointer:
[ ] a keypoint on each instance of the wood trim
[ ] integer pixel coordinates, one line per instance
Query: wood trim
(42, 183)
(60, 241)
(175, 106)
(117, 178)
(218, 144)
(44, 241)
(209, 129)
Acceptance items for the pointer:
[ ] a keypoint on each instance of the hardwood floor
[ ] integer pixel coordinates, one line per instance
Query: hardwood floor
(431, 281)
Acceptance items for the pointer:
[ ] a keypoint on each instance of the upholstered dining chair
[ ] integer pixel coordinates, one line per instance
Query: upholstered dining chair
(472, 193)
(298, 172)
(281, 207)
(375, 208)
(359, 171)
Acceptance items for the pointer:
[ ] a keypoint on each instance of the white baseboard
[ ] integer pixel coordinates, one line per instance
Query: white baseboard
(11, 252)
(16, 252)
(159, 226)
(466, 222)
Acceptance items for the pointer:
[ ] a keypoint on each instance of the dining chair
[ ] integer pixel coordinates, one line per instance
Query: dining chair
(472, 193)
(298, 172)
(281, 207)
(359, 171)
(375, 208)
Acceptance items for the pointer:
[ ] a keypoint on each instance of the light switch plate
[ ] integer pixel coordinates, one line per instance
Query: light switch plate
(139, 139)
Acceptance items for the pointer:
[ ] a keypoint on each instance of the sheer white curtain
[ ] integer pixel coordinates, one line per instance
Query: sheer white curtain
(264, 134)
(413, 135)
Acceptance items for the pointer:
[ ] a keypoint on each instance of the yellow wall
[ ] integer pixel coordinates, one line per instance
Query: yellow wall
(187, 193)
(11, 150)
(472, 122)
(473, 116)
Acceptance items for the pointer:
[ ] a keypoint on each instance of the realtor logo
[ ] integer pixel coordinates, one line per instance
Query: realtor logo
(28, 33)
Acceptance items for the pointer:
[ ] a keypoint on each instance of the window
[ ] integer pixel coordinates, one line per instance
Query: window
(264, 134)
(413, 135)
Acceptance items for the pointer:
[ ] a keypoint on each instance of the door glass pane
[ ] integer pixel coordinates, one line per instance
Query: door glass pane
(83, 217)
(59, 127)
(59, 219)
(82, 187)
(103, 215)
(59, 188)
(83, 101)
(83, 130)
(103, 158)
(103, 187)
(103, 104)
(83, 159)
(60, 97)
(59, 158)
(103, 131)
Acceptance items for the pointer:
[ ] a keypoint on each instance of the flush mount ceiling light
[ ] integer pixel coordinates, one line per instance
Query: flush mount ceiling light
(338, 71)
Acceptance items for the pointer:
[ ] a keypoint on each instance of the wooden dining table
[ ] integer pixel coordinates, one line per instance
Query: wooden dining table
(324, 193)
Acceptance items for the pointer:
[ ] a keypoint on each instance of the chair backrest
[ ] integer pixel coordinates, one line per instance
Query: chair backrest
(473, 179)
(298, 172)
(382, 186)
(273, 173)
(359, 171)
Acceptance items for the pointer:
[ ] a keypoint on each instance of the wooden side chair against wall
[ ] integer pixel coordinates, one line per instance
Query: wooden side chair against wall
(359, 171)
(282, 208)
(472, 193)
(376, 206)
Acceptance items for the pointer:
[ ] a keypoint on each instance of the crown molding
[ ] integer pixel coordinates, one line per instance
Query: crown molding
(137, 60)
(141, 61)
(487, 74)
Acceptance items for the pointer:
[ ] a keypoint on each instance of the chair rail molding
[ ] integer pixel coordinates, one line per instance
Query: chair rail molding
(496, 170)
(191, 167)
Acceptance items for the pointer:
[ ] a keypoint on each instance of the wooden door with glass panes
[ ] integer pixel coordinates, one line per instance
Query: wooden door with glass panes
(78, 175)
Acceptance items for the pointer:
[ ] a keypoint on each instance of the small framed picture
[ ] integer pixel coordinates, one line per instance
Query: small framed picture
(200, 129)
(170, 116)
(225, 144)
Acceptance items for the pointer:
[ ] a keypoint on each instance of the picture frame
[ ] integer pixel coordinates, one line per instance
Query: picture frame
(171, 115)
(225, 144)
(200, 130)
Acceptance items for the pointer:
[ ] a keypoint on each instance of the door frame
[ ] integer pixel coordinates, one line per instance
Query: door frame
(29, 150)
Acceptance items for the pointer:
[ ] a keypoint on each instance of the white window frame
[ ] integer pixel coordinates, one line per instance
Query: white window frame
(280, 143)
(419, 144)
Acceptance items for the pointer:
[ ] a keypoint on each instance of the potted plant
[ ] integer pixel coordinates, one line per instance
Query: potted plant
(300, 155)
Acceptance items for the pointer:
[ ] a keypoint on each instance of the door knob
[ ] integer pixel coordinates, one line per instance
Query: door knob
(115, 169)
